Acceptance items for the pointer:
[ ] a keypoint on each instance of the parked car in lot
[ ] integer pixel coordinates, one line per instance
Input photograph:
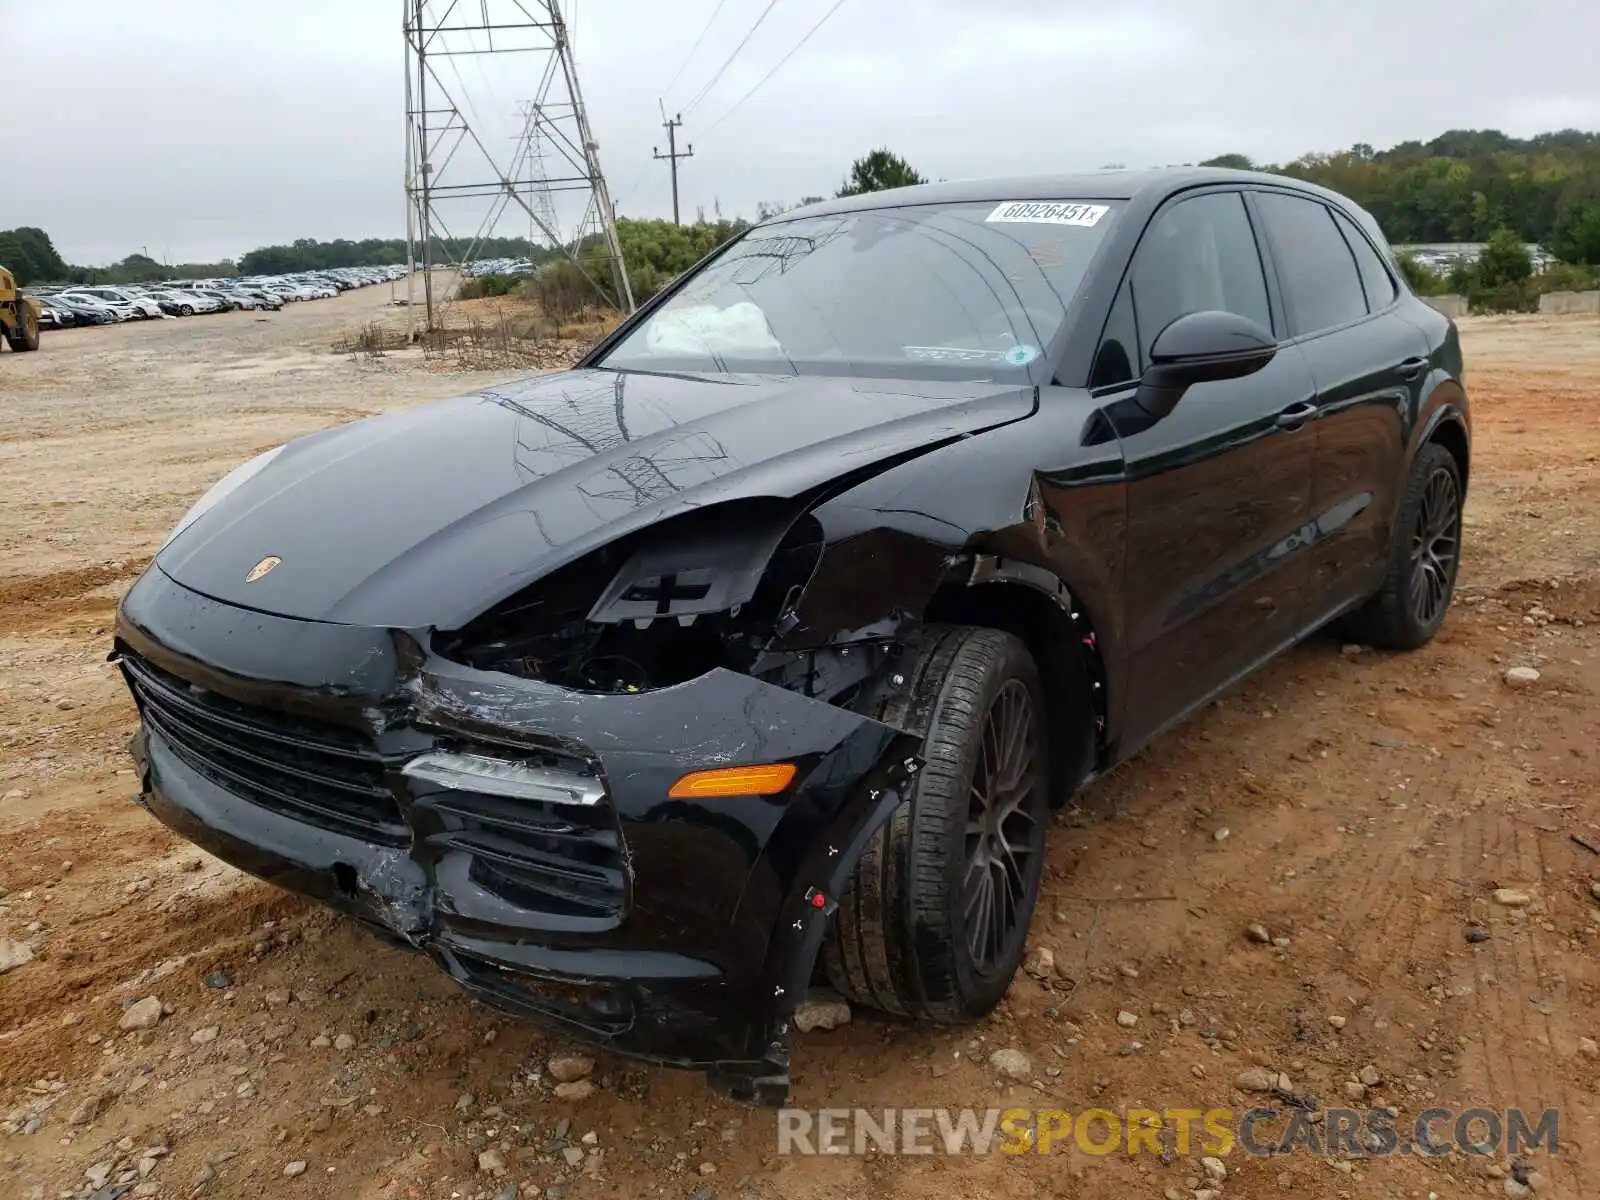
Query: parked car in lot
(86, 311)
(53, 315)
(766, 639)
(122, 296)
(256, 297)
(120, 309)
(184, 303)
(226, 301)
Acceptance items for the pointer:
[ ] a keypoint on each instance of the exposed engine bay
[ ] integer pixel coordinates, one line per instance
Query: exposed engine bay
(711, 589)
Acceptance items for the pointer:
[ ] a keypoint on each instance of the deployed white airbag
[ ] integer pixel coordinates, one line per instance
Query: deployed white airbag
(740, 330)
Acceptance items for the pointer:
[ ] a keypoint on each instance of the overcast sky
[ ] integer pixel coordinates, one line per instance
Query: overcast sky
(199, 129)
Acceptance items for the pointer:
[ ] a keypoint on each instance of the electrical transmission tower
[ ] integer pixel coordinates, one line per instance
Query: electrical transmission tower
(531, 147)
(438, 31)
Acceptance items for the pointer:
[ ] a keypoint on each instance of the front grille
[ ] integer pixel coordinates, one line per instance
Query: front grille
(319, 773)
(566, 860)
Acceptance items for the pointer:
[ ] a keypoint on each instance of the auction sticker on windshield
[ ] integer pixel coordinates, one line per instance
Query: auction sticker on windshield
(1048, 212)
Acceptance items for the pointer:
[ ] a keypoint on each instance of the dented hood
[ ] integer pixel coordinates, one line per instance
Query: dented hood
(426, 517)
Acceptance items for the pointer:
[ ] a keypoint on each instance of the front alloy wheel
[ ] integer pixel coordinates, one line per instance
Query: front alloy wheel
(1001, 826)
(933, 921)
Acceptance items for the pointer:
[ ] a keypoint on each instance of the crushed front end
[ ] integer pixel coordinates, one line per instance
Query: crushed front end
(515, 806)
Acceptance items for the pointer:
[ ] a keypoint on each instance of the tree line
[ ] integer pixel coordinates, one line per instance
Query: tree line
(1463, 186)
(32, 257)
(1466, 184)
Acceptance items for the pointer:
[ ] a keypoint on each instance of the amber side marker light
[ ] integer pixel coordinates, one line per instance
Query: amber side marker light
(764, 780)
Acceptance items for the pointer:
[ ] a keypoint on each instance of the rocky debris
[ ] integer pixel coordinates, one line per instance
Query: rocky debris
(708, 1168)
(1127, 1019)
(1256, 1079)
(14, 954)
(204, 1036)
(1594, 889)
(465, 1101)
(1511, 897)
(577, 1089)
(1336, 1020)
(1476, 936)
(321, 1042)
(573, 1155)
(822, 1012)
(1588, 1047)
(1221, 835)
(1214, 1168)
(344, 1042)
(1013, 1064)
(1040, 963)
(218, 979)
(141, 1014)
(14, 794)
(491, 1160)
(569, 1068)
(1513, 1188)
(1369, 1075)
(1351, 651)
(1257, 932)
(1354, 1091)
(1521, 677)
(88, 1109)
(297, 1167)
(100, 1173)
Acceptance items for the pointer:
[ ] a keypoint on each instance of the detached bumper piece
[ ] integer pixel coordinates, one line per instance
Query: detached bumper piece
(527, 838)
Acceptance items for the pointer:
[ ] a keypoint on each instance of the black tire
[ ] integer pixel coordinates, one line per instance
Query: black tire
(26, 334)
(902, 939)
(1407, 610)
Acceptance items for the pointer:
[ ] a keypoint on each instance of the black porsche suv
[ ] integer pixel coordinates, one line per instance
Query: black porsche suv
(759, 645)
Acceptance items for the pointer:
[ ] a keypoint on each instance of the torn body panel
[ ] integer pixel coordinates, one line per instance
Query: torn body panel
(565, 898)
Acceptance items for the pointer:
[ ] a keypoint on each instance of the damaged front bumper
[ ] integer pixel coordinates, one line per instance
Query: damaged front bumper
(561, 882)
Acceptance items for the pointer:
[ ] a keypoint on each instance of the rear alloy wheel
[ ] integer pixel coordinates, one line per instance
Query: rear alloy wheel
(934, 920)
(186, 309)
(1409, 607)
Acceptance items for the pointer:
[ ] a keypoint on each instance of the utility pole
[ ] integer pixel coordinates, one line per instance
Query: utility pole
(672, 156)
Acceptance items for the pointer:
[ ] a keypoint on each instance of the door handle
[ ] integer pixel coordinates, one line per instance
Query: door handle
(1413, 367)
(1296, 415)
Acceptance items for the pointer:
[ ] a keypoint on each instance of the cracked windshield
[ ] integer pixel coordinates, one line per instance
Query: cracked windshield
(961, 291)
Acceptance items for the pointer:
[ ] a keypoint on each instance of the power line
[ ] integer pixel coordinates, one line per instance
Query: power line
(688, 58)
(703, 92)
(838, 4)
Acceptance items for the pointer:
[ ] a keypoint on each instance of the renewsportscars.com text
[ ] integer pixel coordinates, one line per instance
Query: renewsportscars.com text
(1216, 1131)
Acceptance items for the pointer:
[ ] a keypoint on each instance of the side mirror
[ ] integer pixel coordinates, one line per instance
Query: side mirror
(1201, 347)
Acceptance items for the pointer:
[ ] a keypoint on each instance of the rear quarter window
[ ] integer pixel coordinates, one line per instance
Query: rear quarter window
(1316, 268)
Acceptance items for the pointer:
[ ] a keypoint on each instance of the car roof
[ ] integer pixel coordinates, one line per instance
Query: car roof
(1153, 185)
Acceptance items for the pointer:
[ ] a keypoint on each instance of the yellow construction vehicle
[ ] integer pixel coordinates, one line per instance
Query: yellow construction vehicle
(19, 315)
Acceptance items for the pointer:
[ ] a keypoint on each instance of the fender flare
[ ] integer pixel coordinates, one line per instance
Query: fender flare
(803, 919)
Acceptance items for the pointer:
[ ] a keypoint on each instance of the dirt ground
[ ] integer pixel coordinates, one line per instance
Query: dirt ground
(1373, 805)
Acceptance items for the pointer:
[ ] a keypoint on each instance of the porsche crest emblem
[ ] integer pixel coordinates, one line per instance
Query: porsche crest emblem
(262, 567)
